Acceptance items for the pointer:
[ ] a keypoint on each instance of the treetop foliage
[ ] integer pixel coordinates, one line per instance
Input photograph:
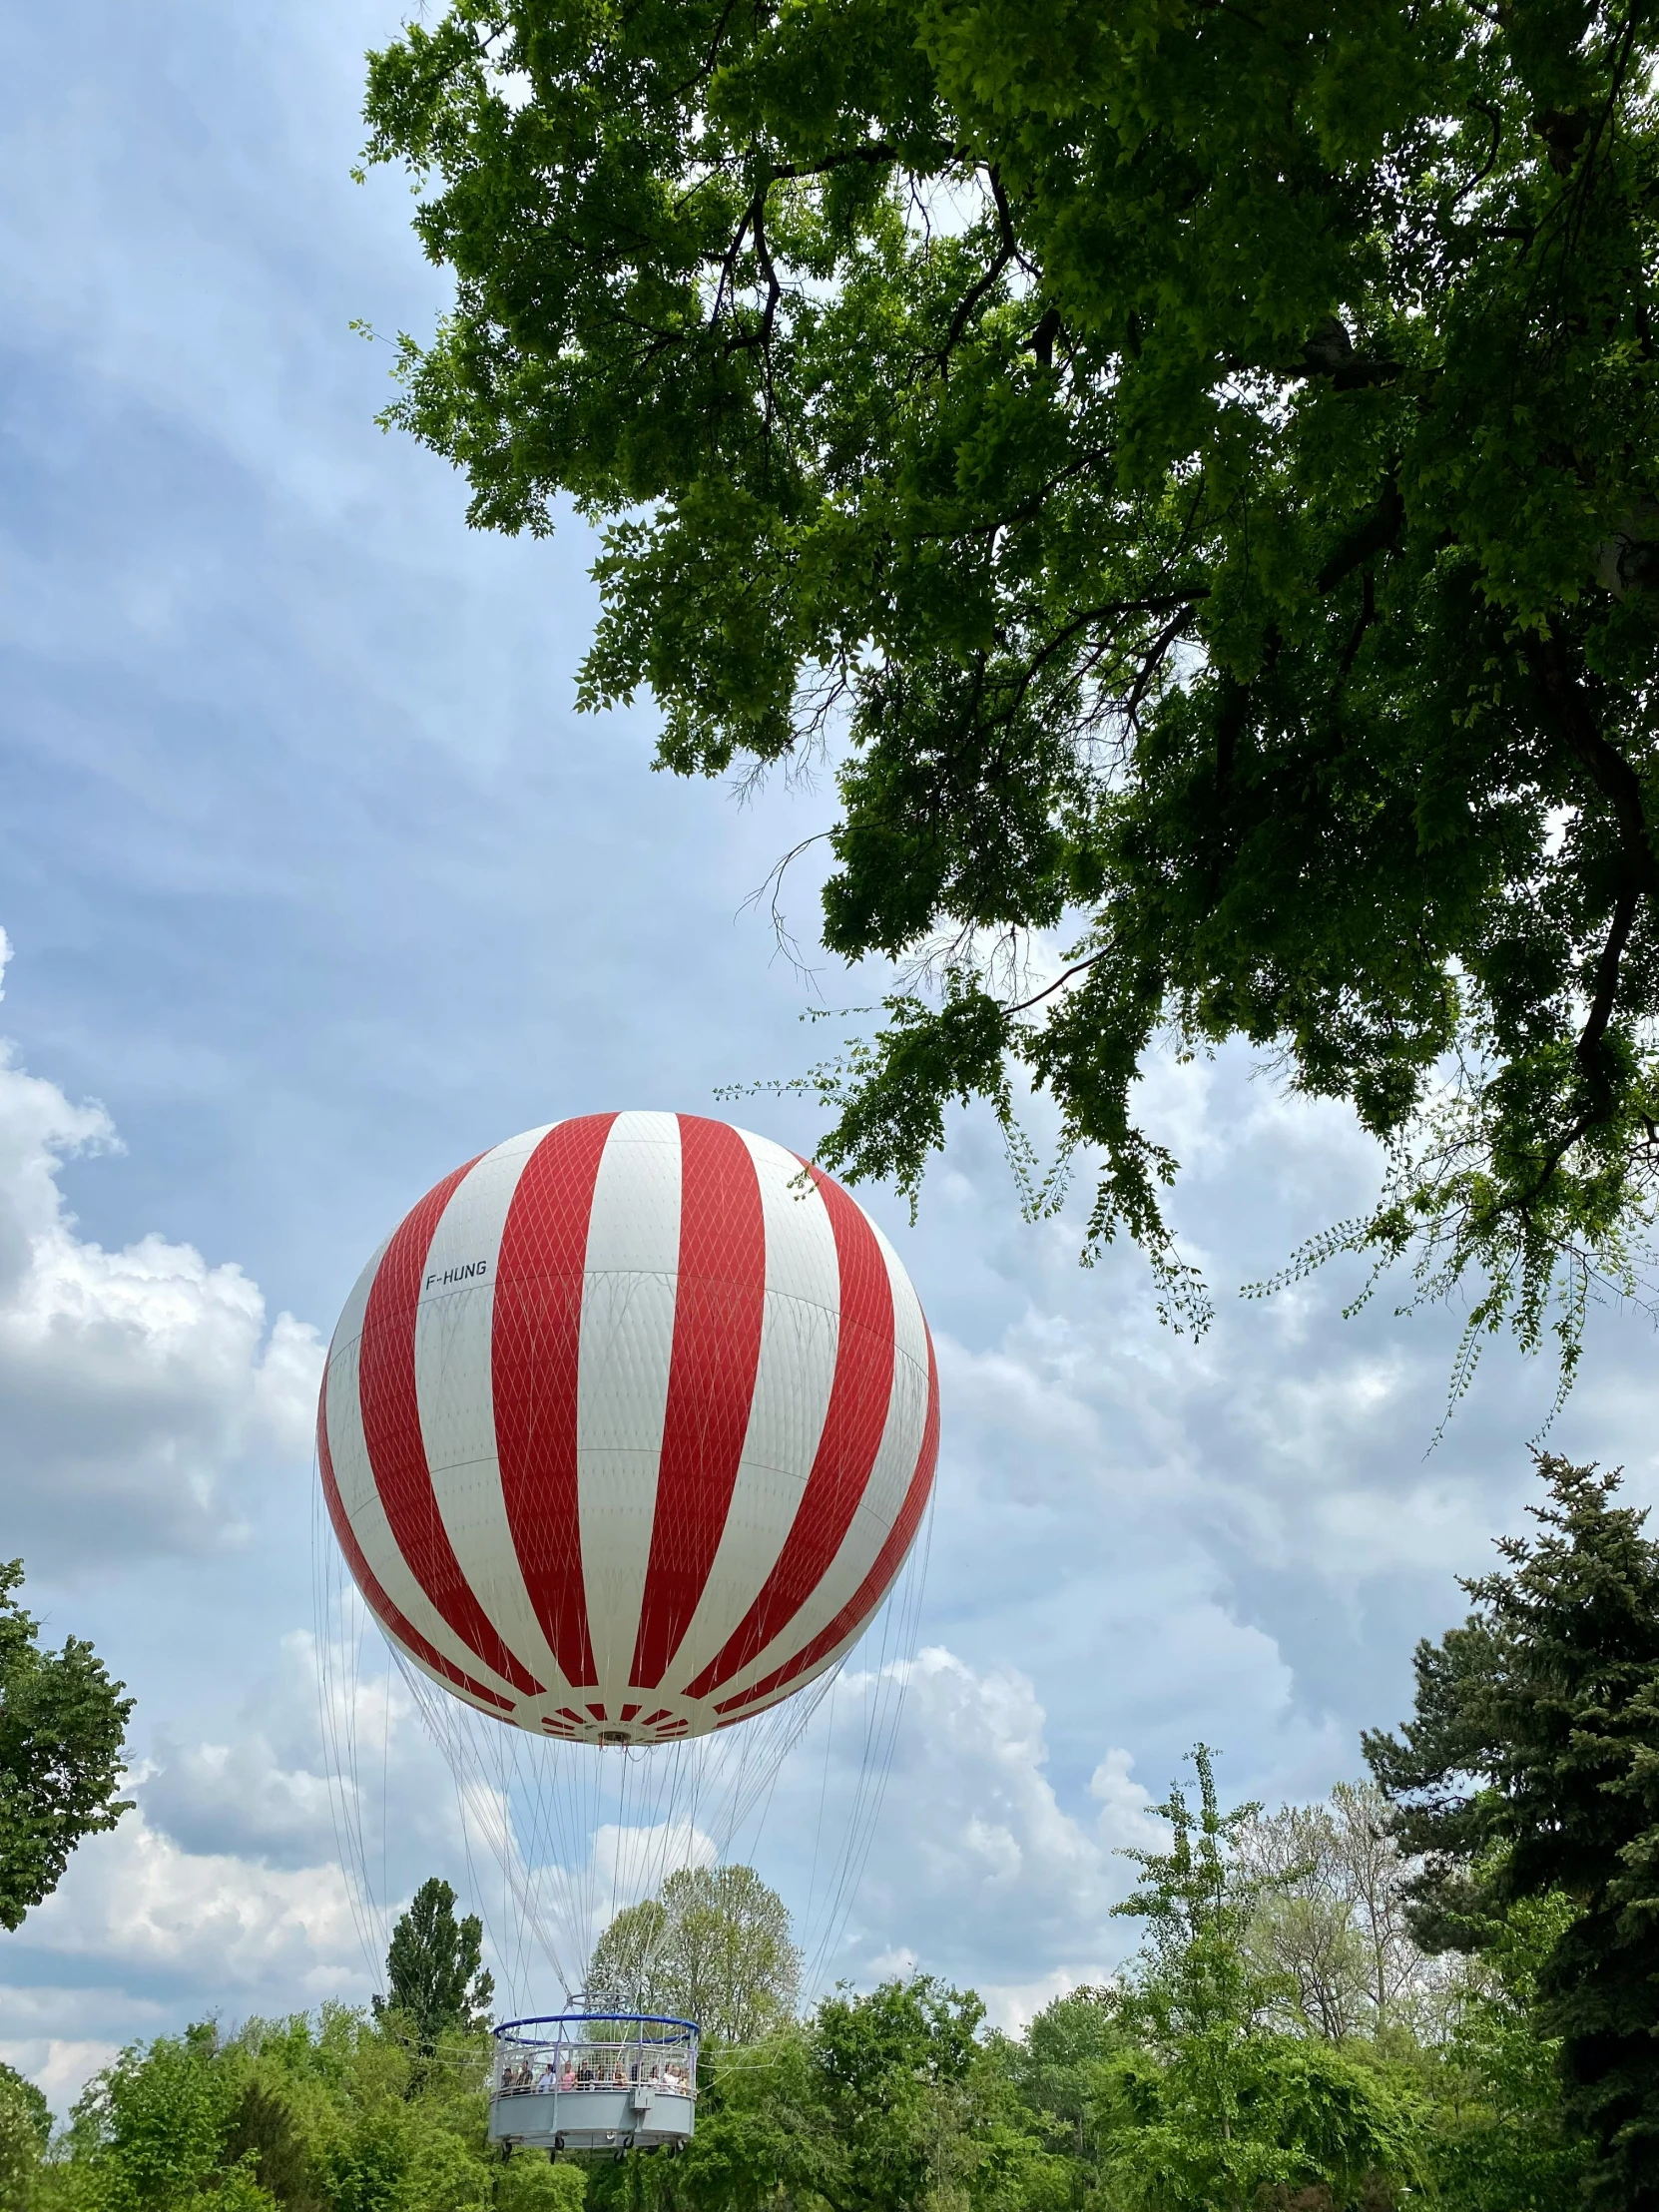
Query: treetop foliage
(435, 1984)
(1194, 467)
(1182, 2085)
(336, 2113)
(25, 2131)
(1232, 2108)
(62, 1729)
(713, 1946)
(1332, 1923)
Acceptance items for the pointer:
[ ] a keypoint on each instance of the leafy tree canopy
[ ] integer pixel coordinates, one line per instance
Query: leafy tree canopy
(1504, 2142)
(880, 2102)
(434, 1980)
(1195, 465)
(62, 1726)
(1176, 2088)
(1331, 1924)
(712, 1947)
(1528, 1774)
(335, 2114)
(1057, 2065)
(25, 2129)
(1229, 2110)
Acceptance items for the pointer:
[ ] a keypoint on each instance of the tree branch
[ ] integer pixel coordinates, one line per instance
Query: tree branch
(1357, 635)
(1375, 535)
(1154, 659)
(1588, 1049)
(1049, 989)
(1618, 784)
(1609, 770)
(871, 150)
(976, 293)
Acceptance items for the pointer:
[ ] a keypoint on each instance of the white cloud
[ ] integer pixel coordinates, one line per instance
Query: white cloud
(137, 1903)
(143, 1936)
(978, 1870)
(59, 2065)
(141, 1390)
(240, 1798)
(224, 1891)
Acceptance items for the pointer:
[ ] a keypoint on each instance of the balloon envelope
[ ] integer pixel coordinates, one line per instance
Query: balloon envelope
(627, 1429)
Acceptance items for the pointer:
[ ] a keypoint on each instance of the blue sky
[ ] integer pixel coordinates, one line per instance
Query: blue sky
(315, 885)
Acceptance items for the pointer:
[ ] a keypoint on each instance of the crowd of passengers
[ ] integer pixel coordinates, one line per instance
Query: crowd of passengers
(596, 2071)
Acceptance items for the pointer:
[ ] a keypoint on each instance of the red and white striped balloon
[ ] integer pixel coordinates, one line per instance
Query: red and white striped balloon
(627, 1429)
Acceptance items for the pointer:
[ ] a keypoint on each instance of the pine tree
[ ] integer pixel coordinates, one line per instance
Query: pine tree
(1531, 1770)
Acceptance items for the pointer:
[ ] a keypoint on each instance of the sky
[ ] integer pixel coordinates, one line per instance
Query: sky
(314, 885)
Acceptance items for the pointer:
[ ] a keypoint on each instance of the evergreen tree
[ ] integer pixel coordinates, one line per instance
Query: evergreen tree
(1529, 1772)
(433, 1978)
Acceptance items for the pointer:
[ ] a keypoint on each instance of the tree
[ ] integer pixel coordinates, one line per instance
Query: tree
(712, 1947)
(1210, 2107)
(885, 2101)
(1528, 1774)
(322, 2114)
(62, 1729)
(1333, 1921)
(1193, 467)
(153, 2127)
(25, 2129)
(433, 1978)
(895, 2074)
(1057, 2066)
(1500, 2142)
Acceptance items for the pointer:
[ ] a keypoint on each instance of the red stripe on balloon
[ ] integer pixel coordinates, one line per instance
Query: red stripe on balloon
(535, 1365)
(719, 1302)
(854, 1423)
(374, 1597)
(888, 1559)
(397, 1448)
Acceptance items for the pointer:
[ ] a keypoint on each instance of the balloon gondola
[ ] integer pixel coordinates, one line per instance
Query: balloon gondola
(589, 2081)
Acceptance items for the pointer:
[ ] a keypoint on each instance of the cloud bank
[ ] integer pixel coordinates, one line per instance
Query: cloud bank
(142, 1393)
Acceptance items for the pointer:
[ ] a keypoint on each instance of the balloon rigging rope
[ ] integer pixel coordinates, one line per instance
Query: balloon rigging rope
(900, 1626)
(338, 1688)
(551, 1811)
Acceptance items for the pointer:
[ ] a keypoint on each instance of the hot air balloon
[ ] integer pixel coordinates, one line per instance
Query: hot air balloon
(625, 1432)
